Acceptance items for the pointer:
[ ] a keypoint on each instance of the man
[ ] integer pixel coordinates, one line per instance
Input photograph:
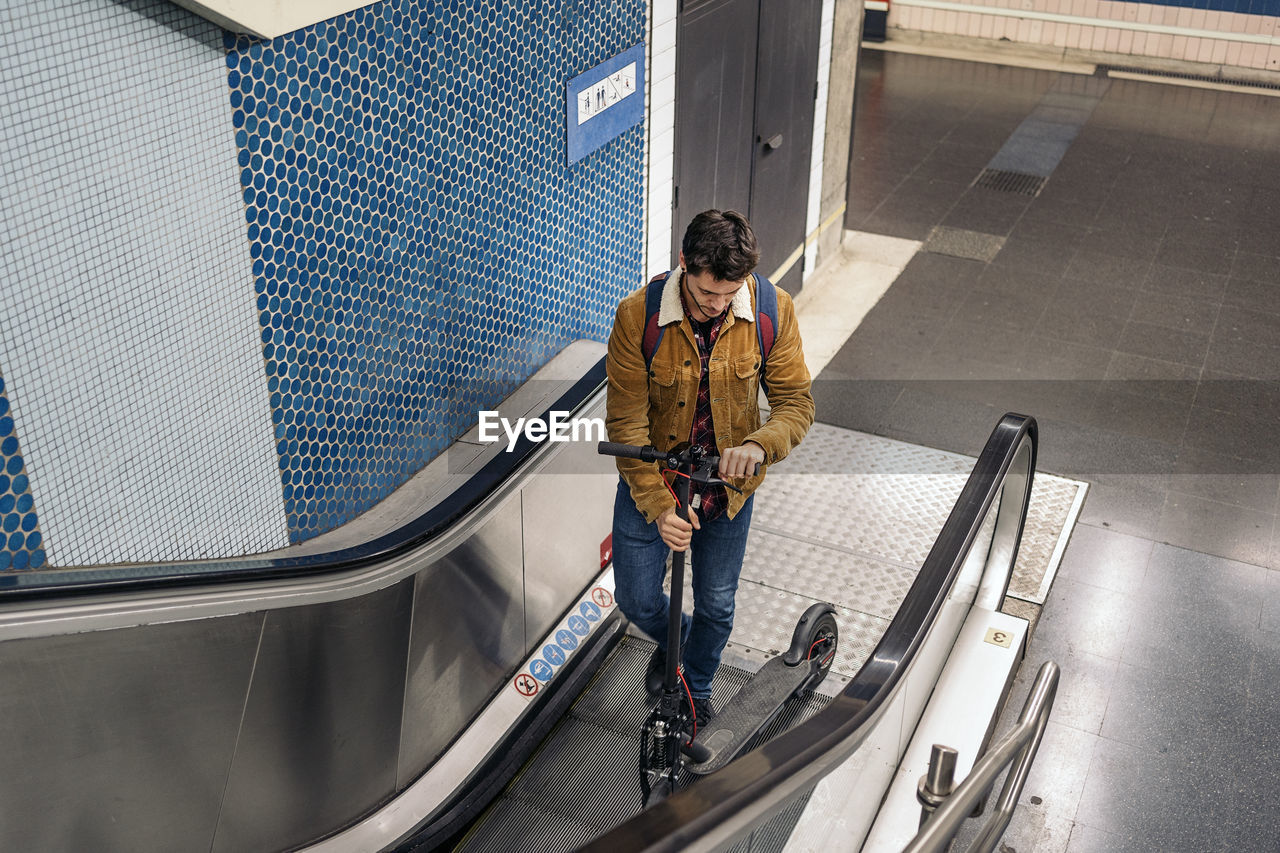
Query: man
(701, 387)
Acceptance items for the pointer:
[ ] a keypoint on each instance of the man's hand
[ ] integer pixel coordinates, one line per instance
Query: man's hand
(675, 531)
(741, 461)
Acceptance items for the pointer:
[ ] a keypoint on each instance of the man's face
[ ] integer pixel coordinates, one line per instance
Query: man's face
(706, 295)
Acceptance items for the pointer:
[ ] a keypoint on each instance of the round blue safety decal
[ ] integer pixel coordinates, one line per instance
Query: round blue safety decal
(541, 670)
(566, 639)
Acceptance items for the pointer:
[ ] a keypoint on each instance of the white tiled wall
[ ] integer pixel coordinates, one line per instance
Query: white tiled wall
(660, 151)
(1094, 32)
(129, 336)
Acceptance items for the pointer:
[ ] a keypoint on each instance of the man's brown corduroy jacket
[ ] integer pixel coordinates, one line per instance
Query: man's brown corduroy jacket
(656, 405)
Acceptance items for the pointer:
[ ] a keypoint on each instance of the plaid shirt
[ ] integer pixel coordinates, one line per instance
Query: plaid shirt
(703, 433)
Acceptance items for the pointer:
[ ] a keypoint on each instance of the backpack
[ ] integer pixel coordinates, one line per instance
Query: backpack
(766, 317)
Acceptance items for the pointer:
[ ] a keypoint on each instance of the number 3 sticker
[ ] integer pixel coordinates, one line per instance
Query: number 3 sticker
(999, 638)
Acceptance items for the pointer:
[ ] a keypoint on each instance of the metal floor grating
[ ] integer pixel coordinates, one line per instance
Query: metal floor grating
(583, 779)
(1004, 181)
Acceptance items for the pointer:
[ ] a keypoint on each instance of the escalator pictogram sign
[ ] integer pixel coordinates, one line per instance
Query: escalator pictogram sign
(526, 684)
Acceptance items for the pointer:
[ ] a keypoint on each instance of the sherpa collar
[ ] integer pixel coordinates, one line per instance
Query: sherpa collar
(671, 311)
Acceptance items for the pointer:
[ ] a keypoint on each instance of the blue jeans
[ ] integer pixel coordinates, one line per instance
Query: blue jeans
(639, 566)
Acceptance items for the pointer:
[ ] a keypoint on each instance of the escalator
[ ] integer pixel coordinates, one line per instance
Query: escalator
(581, 792)
(584, 780)
(372, 697)
(968, 567)
(302, 698)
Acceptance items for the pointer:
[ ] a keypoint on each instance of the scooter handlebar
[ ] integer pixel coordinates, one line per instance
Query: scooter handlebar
(647, 454)
(651, 454)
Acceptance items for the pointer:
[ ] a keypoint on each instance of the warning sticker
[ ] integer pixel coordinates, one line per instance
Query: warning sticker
(567, 637)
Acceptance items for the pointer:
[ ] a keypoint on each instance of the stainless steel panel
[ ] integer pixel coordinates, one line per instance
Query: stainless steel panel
(468, 636)
(321, 726)
(121, 740)
(568, 512)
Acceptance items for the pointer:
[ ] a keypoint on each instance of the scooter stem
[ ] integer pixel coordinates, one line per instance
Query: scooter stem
(671, 678)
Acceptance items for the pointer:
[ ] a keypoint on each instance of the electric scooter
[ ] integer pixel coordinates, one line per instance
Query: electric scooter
(671, 743)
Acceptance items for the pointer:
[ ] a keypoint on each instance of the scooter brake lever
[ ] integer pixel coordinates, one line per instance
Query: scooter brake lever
(716, 481)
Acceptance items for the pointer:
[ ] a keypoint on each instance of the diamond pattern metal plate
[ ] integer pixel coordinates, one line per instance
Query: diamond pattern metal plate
(820, 572)
(849, 518)
(1055, 504)
(766, 618)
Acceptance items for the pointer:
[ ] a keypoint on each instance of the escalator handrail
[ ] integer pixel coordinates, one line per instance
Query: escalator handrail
(437, 520)
(724, 806)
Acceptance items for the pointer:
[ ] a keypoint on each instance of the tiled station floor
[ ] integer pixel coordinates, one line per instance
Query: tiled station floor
(1133, 307)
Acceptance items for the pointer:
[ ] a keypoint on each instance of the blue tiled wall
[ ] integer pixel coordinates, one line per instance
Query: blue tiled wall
(1247, 7)
(20, 538)
(419, 246)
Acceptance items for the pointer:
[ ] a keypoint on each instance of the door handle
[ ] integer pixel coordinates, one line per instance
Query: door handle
(773, 142)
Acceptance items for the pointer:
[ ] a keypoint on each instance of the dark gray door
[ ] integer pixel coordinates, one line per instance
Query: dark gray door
(715, 107)
(745, 82)
(786, 80)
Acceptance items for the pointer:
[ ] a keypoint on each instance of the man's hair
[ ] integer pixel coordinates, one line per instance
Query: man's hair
(722, 243)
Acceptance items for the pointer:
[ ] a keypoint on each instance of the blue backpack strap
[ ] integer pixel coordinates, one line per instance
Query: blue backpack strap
(766, 316)
(766, 322)
(652, 305)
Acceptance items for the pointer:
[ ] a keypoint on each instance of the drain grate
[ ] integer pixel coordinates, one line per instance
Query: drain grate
(1178, 75)
(1004, 181)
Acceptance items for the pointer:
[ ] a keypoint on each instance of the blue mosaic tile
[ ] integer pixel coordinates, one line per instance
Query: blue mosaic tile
(419, 246)
(1244, 7)
(21, 542)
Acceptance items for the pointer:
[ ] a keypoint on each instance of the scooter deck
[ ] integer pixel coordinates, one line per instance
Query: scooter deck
(748, 712)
